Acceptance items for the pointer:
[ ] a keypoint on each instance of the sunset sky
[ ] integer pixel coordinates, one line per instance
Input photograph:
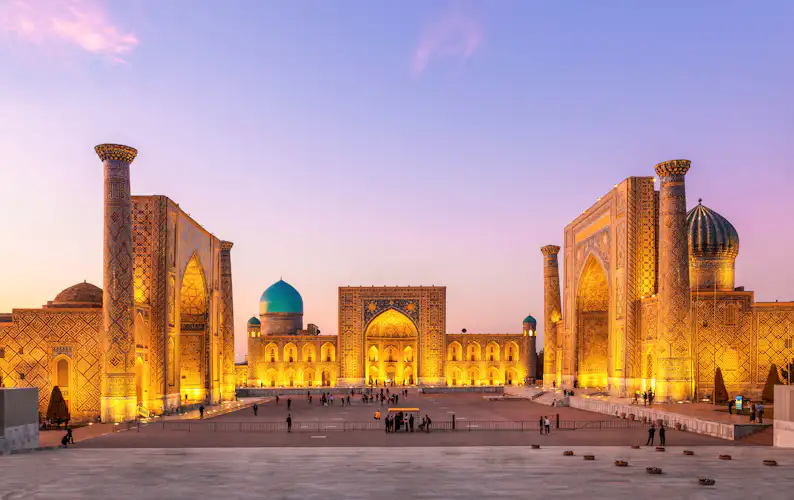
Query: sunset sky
(389, 143)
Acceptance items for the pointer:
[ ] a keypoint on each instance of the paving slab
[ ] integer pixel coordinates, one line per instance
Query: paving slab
(395, 473)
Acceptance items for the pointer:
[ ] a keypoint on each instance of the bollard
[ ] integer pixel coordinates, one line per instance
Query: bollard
(453, 421)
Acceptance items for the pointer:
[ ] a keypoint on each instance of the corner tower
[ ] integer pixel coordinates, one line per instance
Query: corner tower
(227, 322)
(118, 400)
(674, 345)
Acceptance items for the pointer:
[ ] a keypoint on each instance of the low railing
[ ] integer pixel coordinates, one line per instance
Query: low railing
(378, 425)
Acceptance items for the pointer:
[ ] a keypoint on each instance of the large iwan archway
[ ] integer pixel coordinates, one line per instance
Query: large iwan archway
(592, 313)
(391, 346)
(193, 316)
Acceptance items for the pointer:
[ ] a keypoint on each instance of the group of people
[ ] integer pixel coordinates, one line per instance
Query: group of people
(652, 434)
(400, 423)
(647, 398)
(384, 395)
(756, 410)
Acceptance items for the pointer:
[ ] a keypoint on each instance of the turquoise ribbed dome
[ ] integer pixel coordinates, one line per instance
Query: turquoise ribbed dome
(530, 320)
(281, 297)
(254, 321)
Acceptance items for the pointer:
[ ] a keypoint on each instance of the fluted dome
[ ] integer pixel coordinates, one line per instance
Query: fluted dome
(281, 297)
(710, 234)
(80, 295)
(254, 321)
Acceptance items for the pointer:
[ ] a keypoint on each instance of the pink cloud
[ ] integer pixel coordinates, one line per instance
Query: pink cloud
(454, 35)
(76, 23)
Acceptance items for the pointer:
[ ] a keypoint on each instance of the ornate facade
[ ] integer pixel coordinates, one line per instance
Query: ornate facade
(387, 335)
(650, 302)
(160, 333)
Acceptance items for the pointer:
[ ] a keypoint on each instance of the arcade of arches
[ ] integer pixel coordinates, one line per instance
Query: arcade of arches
(390, 335)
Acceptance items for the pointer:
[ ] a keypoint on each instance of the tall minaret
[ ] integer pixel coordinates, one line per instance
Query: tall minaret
(530, 328)
(227, 325)
(552, 312)
(118, 396)
(674, 337)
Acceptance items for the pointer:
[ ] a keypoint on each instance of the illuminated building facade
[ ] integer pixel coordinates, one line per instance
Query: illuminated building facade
(650, 302)
(159, 335)
(387, 335)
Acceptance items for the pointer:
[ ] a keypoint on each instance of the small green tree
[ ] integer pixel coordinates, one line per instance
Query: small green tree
(720, 392)
(768, 395)
(57, 407)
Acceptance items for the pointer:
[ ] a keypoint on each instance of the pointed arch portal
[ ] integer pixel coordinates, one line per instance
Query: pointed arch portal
(592, 312)
(391, 350)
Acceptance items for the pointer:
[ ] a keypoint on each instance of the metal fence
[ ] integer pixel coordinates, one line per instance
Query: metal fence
(376, 425)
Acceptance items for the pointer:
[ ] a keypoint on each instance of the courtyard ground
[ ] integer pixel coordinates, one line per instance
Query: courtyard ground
(395, 473)
(317, 426)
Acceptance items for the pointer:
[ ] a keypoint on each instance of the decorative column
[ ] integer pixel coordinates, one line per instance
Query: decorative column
(674, 336)
(530, 328)
(552, 310)
(118, 397)
(227, 322)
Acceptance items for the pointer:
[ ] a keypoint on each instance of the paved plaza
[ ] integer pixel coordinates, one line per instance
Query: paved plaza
(318, 426)
(394, 473)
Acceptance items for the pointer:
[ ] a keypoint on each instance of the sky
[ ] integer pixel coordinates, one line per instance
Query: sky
(389, 143)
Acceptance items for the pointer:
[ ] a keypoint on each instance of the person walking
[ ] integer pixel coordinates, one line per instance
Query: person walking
(651, 435)
(752, 413)
(276, 398)
(289, 423)
(644, 398)
(547, 422)
(661, 434)
(69, 436)
(256, 409)
(541, 424)
(348, 399)
(411, 422)
(201, 411)
(760, 413)
(730, 407)
(289, 403)
(427, 423)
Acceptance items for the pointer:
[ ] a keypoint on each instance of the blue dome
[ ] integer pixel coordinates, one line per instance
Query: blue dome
(254, 321)
(530, 320)
(281, 297)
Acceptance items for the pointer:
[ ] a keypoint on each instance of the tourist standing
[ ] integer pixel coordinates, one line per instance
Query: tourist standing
(541, 423)
(547, 423)
(276, 398)
(256, 409)
(289, 403)
(201, 411)
(289, 423)
(661, 434)
(69, 436)
(411, 422)
(651, 435)
(730, 407)
(427, 423)
(752, 413)
(761, 413)
(644, 398)
(348, 399)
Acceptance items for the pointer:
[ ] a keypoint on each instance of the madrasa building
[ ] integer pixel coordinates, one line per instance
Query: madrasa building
(387, 336)
(157, 336)
(649, 299)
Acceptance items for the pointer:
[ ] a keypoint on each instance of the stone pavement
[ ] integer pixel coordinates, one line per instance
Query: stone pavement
(394, 473)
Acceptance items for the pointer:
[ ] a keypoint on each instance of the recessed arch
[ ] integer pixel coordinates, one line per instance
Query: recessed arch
(473, 351)
(328, 352)
(473, 376)
(511, 351)
(193, 319)
(592, 308)
(290, 353)
(271, 353)
(309, 353)
(493, 351)
(454, 351)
